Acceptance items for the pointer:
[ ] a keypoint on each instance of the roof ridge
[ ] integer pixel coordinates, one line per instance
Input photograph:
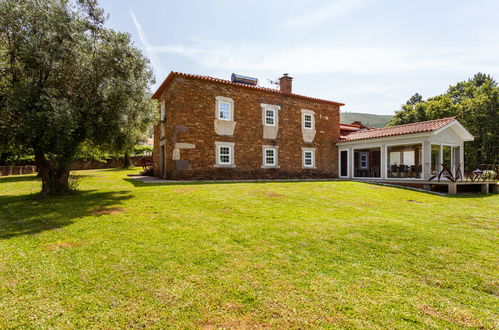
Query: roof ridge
(411, 128)
(214, 79)
(409, 124)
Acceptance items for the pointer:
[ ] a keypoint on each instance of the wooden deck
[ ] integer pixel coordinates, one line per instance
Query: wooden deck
(486, 186)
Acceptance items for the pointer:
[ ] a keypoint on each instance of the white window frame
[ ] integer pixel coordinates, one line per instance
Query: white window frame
(230, 146)
(273, 117)
(270, 107)
(275, 149)
(310, 113)
(162, 108)
(224, 100)
(366, 160)
(312, 152)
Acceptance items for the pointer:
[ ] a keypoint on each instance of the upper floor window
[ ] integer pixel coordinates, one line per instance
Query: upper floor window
(308, 119)
(163, 111)
(225, 108)
(224, 111)
(270, 114)
(270, 117)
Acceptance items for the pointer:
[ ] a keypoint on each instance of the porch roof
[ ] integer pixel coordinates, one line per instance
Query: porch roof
(419, 127)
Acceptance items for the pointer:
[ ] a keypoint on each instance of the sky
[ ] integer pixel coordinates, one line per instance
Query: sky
(371, 55)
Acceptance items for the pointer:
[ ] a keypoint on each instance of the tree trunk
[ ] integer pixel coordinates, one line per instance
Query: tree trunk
(55, 177)
(126, 160)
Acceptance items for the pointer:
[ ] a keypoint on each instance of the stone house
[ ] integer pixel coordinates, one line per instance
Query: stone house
(219, 129)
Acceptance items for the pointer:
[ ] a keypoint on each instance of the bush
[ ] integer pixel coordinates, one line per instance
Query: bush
(141, 150)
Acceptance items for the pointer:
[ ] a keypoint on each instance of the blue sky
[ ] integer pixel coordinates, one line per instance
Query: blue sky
(371, 55)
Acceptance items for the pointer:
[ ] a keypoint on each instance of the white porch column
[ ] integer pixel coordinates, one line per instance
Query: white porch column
(426, 160)
(383, 161)
(461, 157)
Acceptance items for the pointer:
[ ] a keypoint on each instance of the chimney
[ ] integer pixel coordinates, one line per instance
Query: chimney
(286, 84)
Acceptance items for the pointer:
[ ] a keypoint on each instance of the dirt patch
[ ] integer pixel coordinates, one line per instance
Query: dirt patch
(271, 194)
(365, 205)
(108, 210)
(413, 201)
(242, 324)
(455, 316)
(184, 190)
(61, 245)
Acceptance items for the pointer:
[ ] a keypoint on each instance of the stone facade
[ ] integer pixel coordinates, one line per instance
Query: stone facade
(185, 142)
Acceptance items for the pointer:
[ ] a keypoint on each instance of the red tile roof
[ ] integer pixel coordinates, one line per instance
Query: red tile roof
(228, 82)
(348, 127)
(420, 127)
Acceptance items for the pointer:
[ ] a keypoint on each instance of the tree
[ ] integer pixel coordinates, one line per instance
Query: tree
(65, 80)
(476, 104)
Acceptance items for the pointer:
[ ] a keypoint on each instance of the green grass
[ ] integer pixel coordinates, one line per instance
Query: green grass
(241, 255)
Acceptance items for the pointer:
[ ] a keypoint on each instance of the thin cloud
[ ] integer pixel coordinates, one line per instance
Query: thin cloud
(150, 50)
(327, 59)
(326, 13)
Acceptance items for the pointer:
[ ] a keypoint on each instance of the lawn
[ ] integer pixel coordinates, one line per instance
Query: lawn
(243, 255)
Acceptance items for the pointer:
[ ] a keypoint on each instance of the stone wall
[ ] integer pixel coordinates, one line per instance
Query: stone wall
(17, 170)
(190, 123)
(80, 164)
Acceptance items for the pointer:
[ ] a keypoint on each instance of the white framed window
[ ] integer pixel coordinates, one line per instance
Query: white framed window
(363, 160)
(224, 153)
(163, 111)
(224, 111)
(270, 114)
(308, 119)
(270, 117)
(224, 108)
(309, 158)
(270, 156)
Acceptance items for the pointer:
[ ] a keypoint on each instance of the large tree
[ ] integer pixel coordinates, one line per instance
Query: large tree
(476, 104)
(67, 79)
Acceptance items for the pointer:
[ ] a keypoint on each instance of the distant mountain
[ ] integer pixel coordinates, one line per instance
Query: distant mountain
(366, 119)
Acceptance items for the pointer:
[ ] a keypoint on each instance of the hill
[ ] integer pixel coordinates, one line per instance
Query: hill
(366, 118)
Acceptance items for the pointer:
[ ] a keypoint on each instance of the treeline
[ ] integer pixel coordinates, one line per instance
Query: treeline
(475, 103)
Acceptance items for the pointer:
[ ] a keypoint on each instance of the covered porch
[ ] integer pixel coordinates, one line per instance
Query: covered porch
(413, 154)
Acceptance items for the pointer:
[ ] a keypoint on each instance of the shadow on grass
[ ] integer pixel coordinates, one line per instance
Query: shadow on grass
(32, 177)
(138, 183)
(18, 178)
(29, 214)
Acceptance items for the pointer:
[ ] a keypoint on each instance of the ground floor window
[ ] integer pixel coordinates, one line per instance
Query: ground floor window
(367, 163)
(405, 161)
(270, 156)
(224, 153)
(308, 158)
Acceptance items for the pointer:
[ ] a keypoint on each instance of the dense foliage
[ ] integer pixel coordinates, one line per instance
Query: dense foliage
(67, 80)
(476, 104)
